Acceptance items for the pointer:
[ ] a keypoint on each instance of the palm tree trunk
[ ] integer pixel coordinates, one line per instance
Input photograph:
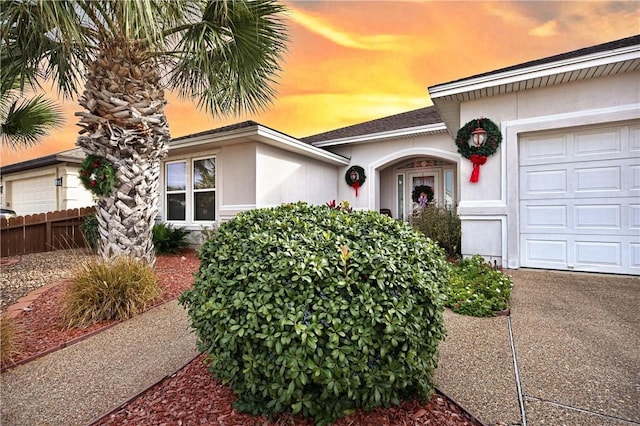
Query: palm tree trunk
(125, 122)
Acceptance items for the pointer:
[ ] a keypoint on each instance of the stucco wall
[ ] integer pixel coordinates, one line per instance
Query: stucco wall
(251, 175)
(388, 191)
(74, 194)
(237, 184)
(285, 177)
(494, 199)
(375, 156)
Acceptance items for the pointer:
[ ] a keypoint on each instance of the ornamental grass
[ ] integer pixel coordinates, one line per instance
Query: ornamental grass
(109, 290)
(442, 224)
(8, 340)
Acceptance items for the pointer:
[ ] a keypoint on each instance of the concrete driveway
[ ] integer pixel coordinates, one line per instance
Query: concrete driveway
(569, 354)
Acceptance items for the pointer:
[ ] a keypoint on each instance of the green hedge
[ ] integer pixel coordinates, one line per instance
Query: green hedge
(313, 310)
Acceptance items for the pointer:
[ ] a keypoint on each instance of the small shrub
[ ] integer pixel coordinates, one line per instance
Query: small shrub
(90, 231)
(8, 340)
(477, 289)
(207, 233)
(102, 290)
(441, 223)
(167, 239)
(318, 311)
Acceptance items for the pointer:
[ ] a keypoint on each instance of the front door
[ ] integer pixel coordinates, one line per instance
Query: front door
(423, 189)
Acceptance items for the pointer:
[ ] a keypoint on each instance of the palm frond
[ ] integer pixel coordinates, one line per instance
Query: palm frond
(229, 60)
(24, 121)
(49, 32)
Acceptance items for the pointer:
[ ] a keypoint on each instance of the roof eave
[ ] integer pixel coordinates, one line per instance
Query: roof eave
(264, 135)
(447, 97)
(288, 143)
(48, 160)
(429, 129)
(631, 53)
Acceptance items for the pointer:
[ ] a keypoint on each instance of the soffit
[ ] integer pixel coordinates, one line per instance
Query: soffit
(447, 97)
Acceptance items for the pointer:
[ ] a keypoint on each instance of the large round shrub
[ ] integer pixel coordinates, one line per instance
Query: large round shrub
(319, 311)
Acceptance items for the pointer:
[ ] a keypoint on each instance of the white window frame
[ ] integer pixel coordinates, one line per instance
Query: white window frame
(189, 221)
(168, 192)
(194, 191)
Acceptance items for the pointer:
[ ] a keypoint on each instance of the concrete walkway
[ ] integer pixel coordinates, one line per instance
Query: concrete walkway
(77, 384)
(568, 355)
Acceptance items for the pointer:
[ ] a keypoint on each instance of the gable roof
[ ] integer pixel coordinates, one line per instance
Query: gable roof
(574, 54)
(251, 131)
(416, 119)
(235, 126)
(606, 59)
(75, 156)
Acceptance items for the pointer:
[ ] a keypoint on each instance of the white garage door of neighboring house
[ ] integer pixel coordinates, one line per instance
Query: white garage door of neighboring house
(33, 195)
(579, 199)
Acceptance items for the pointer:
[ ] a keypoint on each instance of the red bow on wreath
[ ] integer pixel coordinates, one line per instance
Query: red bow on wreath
(477, 161)
(355, 177)
(477, 148)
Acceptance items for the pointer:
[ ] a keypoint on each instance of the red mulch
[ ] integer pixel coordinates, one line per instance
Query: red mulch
(192, 396)
(40, 329)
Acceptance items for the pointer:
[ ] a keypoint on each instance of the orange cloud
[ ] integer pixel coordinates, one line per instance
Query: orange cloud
(548, 29)
(344, 37)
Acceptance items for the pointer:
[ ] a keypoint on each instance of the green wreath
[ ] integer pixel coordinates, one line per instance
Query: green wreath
(494, 138)
(415, 194)
(97, 175)
(355, 174)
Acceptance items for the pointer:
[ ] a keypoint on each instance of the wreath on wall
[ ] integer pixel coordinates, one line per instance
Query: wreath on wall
(415, 195)
(355, 177)
(478, 154)
(97, 175)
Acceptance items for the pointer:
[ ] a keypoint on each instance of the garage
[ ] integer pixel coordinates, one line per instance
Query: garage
(33, 195)
(579, 206)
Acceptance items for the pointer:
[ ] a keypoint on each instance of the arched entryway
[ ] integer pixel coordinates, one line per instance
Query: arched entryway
(400, 178)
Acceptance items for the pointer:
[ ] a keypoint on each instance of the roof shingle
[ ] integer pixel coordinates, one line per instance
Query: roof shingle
(404, 120)
(611, 45)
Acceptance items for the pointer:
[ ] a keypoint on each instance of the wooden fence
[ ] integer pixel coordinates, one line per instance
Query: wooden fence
(42, 232)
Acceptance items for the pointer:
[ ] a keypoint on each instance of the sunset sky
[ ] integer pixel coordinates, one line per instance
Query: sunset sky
(354, 61)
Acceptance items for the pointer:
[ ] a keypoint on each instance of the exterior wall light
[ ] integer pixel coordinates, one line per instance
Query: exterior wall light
(478, 137)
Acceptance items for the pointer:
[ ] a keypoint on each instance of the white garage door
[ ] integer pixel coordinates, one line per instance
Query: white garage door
(33, 195)
(579, 199)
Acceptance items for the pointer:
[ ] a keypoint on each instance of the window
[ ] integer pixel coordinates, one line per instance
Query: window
(448, 187)
(176, 181)
(191, 193)
(204, 189)
(400, 197)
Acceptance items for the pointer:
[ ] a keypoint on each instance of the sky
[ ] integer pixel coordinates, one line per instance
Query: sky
(353, 61)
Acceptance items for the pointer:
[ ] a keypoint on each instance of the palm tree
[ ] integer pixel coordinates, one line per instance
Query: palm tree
(224, 54)
(23, 121)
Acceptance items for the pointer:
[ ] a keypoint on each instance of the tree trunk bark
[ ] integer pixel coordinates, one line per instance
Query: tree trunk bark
(125, 122)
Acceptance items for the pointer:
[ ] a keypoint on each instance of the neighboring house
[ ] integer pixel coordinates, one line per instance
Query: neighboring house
(561, 192)
(44, 184)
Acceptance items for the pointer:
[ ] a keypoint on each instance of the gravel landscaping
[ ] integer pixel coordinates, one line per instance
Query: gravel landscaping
(23, 274)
